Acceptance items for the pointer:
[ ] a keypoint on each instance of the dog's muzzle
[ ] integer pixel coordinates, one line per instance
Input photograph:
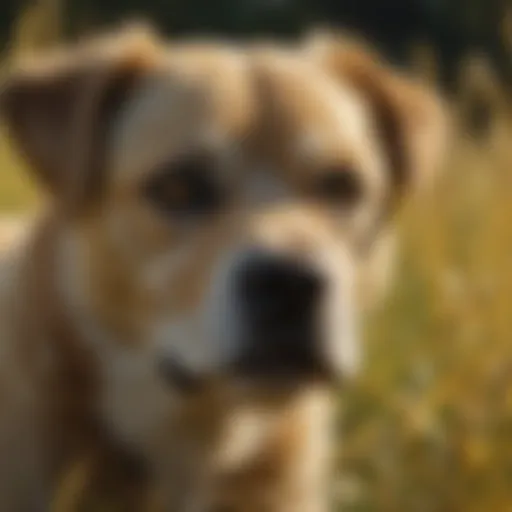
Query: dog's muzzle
(279, 326)
(280, 300)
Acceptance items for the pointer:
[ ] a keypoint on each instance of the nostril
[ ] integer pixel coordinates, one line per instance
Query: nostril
(306, 283)
(275, 287)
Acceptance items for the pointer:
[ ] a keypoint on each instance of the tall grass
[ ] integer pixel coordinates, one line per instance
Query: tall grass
(429, 428)
(16, 190)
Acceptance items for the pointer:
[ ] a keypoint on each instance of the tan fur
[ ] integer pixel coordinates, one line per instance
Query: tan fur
(11, 230)
(104, 283)
(411, 119)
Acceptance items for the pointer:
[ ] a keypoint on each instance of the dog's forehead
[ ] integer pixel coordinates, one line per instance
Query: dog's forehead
(312, 119)
(221, 98)
(193, 98)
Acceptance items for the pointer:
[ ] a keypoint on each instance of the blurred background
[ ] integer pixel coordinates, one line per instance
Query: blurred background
(429, 425)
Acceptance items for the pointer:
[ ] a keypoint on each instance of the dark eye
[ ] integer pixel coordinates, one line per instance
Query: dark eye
(340, 186)
(185, 188)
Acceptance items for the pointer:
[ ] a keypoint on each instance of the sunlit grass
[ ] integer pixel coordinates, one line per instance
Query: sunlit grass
(16, 189)
(429, 427)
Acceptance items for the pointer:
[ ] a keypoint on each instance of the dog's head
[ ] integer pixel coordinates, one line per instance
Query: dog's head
(226, 203)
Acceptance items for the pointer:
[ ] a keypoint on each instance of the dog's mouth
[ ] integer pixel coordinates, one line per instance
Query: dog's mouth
(180, 376)
(290, 360)
(288, 354)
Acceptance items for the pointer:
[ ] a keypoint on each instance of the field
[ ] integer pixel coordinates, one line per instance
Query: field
(429, 425)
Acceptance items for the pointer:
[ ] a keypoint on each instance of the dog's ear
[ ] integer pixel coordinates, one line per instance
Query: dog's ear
(58, 108)
(411, 119)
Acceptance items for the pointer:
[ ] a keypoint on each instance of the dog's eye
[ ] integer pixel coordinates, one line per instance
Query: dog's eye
(340, 186)
(185, 188)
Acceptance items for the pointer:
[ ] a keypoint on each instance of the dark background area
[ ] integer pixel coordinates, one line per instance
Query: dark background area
(453, 29)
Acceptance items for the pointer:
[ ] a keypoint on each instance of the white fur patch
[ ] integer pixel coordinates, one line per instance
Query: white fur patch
(340, 313)
(134, 397)
(244, 436)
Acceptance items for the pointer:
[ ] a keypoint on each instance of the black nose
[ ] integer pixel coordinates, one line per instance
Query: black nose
(279, 299)
(277, 290)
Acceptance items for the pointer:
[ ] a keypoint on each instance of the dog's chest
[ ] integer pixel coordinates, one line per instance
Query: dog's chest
(255, 460)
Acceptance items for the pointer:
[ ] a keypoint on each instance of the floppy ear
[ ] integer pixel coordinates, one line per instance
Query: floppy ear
(410, 118)
(57, 109)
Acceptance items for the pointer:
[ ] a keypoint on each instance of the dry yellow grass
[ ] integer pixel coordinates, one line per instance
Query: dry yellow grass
(16, 190)
(429, 428)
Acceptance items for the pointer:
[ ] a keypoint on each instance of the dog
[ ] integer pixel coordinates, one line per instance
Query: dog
(216, 221)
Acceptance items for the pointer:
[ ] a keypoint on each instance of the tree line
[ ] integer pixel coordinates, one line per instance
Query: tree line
(452, 28)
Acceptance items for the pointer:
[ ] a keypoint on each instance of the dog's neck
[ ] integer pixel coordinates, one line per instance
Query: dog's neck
(263, 453)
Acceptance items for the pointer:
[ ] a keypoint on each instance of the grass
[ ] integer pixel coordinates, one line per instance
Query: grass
(429, 427)
(16, 189)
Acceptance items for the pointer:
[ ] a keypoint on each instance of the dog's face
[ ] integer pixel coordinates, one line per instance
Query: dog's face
(227, 204)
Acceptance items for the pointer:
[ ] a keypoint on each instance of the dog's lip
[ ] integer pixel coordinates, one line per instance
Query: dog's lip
(247, 367)
(278, 376)
(178, 375)
(293, 366)
(294, 363)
